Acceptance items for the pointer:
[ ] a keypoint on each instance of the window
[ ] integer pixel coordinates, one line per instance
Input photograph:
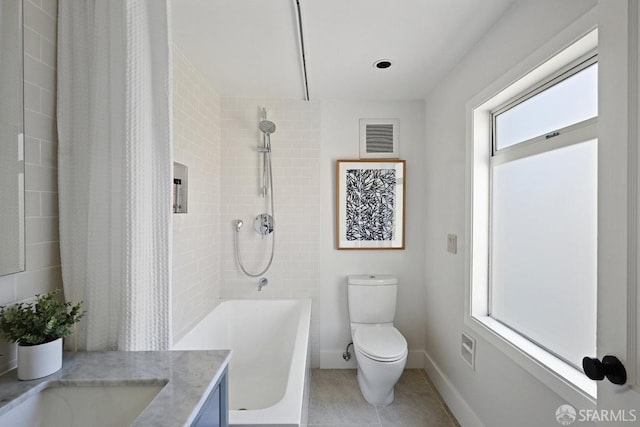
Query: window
(543, 239)
(568, 99)
(532, 251)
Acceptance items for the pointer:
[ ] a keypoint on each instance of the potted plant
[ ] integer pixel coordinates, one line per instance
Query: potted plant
(38, 329)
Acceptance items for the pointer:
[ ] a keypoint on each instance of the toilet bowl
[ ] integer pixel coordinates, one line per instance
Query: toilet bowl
(381, 353)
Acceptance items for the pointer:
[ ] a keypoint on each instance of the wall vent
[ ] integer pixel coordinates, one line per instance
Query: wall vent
(379, 138)
(468, 350)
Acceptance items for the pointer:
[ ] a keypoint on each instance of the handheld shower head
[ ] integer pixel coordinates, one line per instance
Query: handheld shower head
(267, 127)
(238, 224)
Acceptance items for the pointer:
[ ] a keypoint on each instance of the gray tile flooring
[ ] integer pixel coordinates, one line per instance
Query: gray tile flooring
(336, 401)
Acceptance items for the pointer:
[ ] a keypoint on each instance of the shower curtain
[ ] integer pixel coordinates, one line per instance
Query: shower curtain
(115, 168)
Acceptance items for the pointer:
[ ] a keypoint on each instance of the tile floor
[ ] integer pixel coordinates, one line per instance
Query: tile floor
(336, 401)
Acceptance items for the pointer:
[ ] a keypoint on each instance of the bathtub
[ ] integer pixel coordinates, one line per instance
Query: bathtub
(269, 369)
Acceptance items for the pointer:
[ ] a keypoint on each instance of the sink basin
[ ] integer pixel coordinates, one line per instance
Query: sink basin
(70, 405)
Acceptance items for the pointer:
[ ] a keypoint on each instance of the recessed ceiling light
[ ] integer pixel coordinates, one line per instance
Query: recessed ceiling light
(381, 64)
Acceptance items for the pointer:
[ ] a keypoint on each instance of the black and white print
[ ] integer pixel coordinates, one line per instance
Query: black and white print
(370, 204)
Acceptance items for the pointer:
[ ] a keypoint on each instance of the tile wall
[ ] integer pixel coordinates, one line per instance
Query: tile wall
(196, 235)
(42, 272)
(296, 166)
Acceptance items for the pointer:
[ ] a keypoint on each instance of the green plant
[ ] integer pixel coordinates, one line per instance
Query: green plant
(40, 322)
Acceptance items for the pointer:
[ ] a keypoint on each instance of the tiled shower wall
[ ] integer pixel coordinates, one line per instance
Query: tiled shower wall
(42, 272)
(296, 166)
(196, 235)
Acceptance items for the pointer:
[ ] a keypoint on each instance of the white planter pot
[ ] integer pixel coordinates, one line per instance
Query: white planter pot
(37, 361)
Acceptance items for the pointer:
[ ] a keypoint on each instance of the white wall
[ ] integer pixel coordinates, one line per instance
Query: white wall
(195, 286)
(340, 140)
(499, 392)
(43, 272)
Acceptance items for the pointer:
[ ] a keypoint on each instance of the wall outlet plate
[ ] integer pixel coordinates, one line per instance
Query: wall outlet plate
(468, 350)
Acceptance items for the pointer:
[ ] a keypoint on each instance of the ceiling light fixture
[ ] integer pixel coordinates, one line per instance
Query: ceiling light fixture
(382, 64)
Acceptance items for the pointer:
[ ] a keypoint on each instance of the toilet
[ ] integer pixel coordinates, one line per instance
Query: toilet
(380, 349)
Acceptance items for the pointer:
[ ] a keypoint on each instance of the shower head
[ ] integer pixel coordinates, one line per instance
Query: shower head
(267, 127)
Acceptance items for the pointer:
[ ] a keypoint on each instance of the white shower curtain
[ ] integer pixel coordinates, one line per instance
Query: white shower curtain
(115, 168)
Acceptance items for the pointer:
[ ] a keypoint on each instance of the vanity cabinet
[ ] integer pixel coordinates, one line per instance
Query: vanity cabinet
(215, 410)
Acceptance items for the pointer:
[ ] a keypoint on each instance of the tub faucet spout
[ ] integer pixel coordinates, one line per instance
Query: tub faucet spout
(262, 283)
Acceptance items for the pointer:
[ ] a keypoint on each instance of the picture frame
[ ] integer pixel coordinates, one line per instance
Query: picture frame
(370, 204)
(379, 138)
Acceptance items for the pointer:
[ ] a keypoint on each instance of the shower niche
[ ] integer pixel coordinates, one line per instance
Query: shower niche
(180, 186)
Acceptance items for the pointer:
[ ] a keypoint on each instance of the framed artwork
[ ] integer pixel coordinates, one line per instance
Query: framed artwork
(379, 138)
(370, 203)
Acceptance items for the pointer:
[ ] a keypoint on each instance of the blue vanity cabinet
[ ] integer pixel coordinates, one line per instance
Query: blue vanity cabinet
(215, 411)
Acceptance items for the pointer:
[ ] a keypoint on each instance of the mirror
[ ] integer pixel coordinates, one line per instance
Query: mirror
(12, 240)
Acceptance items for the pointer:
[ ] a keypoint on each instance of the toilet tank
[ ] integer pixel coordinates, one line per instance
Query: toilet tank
(372, 298)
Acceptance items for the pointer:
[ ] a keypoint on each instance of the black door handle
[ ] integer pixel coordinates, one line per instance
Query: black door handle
(610, 367)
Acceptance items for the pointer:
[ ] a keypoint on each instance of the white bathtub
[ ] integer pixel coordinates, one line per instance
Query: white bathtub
(269, 368)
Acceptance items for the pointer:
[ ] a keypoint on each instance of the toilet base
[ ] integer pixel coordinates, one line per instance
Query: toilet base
(377, 379)
(375, 397)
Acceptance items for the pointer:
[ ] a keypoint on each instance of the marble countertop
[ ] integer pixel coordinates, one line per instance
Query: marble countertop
(189, 376)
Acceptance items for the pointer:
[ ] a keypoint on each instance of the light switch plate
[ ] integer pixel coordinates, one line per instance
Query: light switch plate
(452, 243)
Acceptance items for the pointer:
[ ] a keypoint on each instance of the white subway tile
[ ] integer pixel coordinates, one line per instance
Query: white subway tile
(48, 106)
(49, 203)
(31, 43)
(48, 52)
(32, 97)
(40, 74)
(50, 7)
(41, 229)
(8, 289)
(32, 150)
(36, 18)
(40, 178)
(32, 203)
(38, 125)
(38, 282)
(196, 260)
(241, 175)
(48, 153)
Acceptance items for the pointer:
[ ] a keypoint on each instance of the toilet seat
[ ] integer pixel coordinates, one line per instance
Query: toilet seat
(380, 343)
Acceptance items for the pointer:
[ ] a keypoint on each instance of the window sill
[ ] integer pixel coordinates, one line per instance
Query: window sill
(568, 382)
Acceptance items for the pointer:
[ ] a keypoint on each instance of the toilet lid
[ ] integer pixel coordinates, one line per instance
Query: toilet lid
(383, 343)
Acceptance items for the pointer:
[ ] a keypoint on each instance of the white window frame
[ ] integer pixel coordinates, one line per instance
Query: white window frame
(576, 41)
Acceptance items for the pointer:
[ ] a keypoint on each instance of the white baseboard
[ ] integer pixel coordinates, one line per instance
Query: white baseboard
(452, 397)
(332, 359)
